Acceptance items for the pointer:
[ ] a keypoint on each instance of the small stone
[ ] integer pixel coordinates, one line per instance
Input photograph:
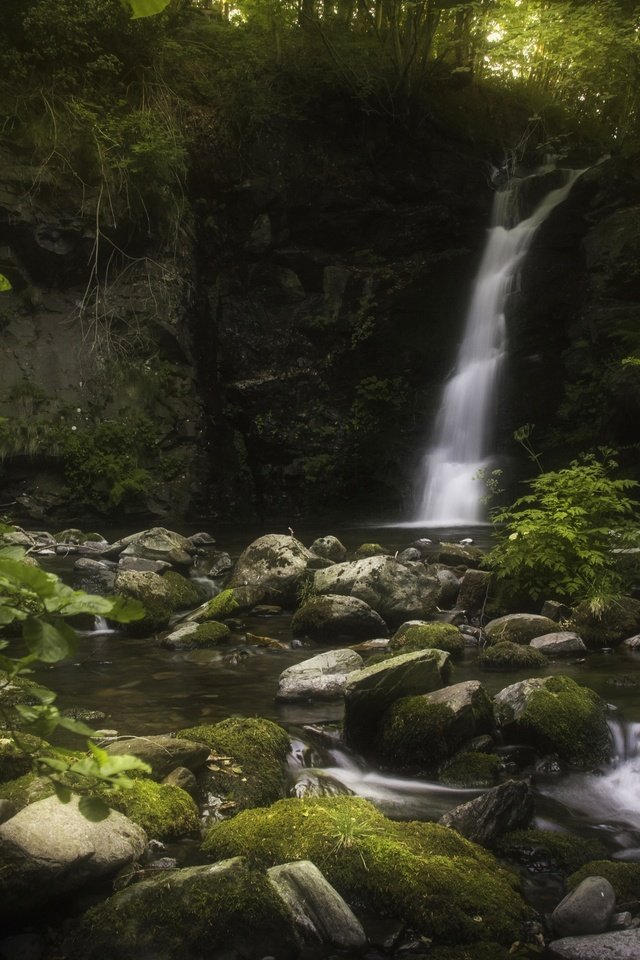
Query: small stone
(587, 909)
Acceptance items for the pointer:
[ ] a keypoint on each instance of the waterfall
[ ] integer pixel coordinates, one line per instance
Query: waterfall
(463, 433)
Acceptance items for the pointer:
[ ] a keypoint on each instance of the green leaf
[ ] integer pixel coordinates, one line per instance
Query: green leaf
(50, 643)
(62, 792)
(123, 611)
(60, 766)
(20, 576)
(76, 726)
(5, 285)
(43, 694)
(94, 809)
(145, 8)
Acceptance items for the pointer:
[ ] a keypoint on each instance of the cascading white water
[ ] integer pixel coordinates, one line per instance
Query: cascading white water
(450, 496)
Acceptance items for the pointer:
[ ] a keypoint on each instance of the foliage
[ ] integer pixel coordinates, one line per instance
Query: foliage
(557, 540)
(38, 604)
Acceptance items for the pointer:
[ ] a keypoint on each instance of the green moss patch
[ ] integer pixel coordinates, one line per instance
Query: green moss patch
(440, 884)
(416, 735)
(249, 761)
(25, 790)
(223, 605)
(163, 811)
(430, 636)
(184, 593)
(564, 852)
(569, 719)
(471, 769)
(511, 656)
(623, 877)
(369, 550)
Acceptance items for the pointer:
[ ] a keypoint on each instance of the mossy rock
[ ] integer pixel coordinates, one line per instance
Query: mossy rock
(190, 635)
(564, 852)
(164, 812)
(471, 769)
(370, 550)
(25, 790)
(16, 757)
(224, 604)
(618, 620)
(442, 886)
(415, 735)
(623, 877)
(428, 636)
(557, 714)
(519, 628)
(226, 910)
(184, 593)
(511, 656)
(252, 752)
(154, 592)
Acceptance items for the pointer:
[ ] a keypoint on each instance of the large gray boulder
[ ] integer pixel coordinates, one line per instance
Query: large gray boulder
(397, 591)
(587, 909)
(320, 678)
(271, 569)
(50, 848)
(331, 617)
(162, 753)
(562, 644)
(319, 911)
(618, 945)
(488, 817)
(519, 627)
(221, 911)
(556, 714)
(371, 691)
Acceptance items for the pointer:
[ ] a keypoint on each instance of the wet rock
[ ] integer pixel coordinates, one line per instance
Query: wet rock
(50, 848)
(201, 539)
(397, 591)
(449, 585)
(555, 610)
(470, 706)
(193, 636)
(220, 564)
(127, 562)
(587, 909)
(320, 678)
(519, 628)
(183, 778)
(271, 569)
(162, 753)
(158, 543)
(617, 945)
(330, 618)
(473, 592)
(97, 572)
(498, 811)
(411, 553)
(319, 911)
(330, 548)
(559, 644)
(318, 783)
(456, 555)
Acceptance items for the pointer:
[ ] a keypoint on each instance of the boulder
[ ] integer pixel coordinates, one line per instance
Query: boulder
(126, 562)
(618, 945)
(498, 811)
(95, 573)
(271, 569)
(555, 610)
(318, 783)
(556, 714)
(162, 753)
(449, 585)
(223, 911)
(397, 591)
(330, 548)
(158, 543)
(420, 635)
(586, 909)
(50, 848)
(474, 588)
(330, 618)
(193, 635)
(561, 644)
(371, 691)
(320, 678)
(416, 734)
(519, 628)
(319, 911)
(155, 594)
(511, 656)
(457, 555)
(617, 620)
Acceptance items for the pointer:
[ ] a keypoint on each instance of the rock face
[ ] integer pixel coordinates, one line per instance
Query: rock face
(397, 591)
(556, 714)
(371, 691)
(49, 848)
(519, 627)
(331, 618)
(221, 910)
(587, 909)
(162, 753)
(321, 678)
(487, 818)
(271, 569)
(319, 911)
(620, 945)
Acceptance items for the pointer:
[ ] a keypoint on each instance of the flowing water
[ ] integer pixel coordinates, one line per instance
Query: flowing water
(450, 493)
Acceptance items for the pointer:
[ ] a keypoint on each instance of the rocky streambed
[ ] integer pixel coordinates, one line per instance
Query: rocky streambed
(348, 754)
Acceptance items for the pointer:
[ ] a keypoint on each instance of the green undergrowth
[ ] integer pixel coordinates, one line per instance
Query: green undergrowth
(442, 885)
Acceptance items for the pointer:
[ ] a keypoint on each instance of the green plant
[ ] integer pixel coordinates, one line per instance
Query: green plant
(40, 605)
(558, 539)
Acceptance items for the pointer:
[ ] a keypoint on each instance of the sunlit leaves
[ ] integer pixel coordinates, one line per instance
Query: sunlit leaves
(5, 285)
(145, 8)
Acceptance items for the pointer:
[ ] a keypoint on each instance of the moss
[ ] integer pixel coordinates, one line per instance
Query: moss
(164, 812)
(25, 790)
(252, 756)
(183, 592)
(511, 656)
(440, 884)
(370, 550)
(210, 634)
(194, 912)
(623, 877)
(415, 734)
(471, 769)
(430, 636)
(569, 719)
(153, 592)
(617, 620)
(565, 852)
(223, 605)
